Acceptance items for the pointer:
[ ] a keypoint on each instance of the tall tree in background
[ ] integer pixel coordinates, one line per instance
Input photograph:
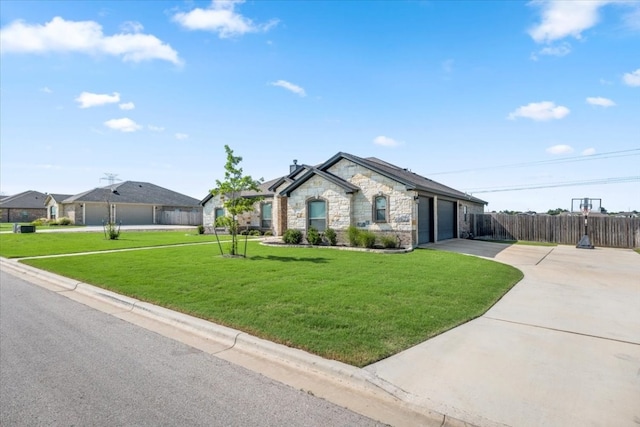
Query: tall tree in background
(231, 191)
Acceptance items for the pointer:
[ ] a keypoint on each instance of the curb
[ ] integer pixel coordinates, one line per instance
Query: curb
(355, 378)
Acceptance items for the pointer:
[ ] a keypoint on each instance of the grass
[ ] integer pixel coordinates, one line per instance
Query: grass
(34, 244)
(353, 307)
(8, 226)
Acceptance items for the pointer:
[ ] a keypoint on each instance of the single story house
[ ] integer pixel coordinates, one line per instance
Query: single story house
(261, 218)
(368, 193)
(23, 207)
(54, 206)
(129, 203)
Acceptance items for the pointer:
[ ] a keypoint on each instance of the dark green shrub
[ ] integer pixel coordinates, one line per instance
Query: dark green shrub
(268, 233)
(200, 229)
(64, 221)
(313, 236)
(330, 235)
(367, 239)
(255, 233)
(389, 242)
(354, 235)
(292, 237)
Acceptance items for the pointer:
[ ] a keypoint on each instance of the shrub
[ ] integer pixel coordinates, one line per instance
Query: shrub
(200, 229)
(53, 222)
(112, 231)
(313, 236)
(292, 237)
(268, 233)
(367, 239)
(255, 233)
(64, 221)
(331, 236)
(354, 235)
(389, 242)
(38, 222)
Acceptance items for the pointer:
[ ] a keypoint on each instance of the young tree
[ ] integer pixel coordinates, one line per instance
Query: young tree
(231, 190)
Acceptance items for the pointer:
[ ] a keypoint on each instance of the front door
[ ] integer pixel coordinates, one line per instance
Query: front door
(424, 219)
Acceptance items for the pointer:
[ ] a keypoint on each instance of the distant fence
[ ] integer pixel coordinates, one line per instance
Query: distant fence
(175, 217)
(607, 231)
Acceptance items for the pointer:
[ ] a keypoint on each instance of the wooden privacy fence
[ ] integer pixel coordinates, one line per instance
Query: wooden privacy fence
(175, 217)
(607, 231)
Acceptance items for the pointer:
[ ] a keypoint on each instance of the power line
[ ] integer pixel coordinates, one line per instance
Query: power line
(597, 156)
(616, 180)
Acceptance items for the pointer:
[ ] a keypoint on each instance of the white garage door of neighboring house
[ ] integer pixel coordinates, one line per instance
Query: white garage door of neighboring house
(95, 213)
(446, 220)
(134, 214)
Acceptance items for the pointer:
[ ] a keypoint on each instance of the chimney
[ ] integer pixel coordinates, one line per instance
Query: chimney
(294, 167)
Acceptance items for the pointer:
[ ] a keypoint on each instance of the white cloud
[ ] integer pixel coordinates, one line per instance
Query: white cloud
(221, 18)
(600, 102)
(123, 125)
(632, 78)
(589, 152)
(561, 18)
(290, 87)
(560, 149)
(182, 136)
(131, 27)
(46, 90)
(540, 111)
(385, 141)
(127, 106)
(60, 35)
(153, 128)
(562, 49)
(88, 99)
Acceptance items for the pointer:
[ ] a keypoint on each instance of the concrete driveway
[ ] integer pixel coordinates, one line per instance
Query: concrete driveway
(562, 348)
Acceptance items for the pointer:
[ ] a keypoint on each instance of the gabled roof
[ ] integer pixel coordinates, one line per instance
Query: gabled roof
(134, 192)
(410, 180)
(26, 200)
(311, 171)
(265, 188)
(57, 197)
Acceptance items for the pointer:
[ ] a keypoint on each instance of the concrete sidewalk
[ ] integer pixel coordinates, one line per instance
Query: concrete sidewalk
(562, 348)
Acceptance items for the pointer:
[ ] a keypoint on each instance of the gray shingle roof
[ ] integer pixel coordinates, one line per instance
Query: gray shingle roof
(266, 191)
(26, 200)
(134, 192)
(411, 180)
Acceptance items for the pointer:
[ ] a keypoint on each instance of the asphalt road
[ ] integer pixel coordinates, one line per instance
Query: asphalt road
(63, 363)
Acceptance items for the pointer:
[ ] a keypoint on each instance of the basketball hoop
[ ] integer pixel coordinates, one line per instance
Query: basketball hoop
(585, 205)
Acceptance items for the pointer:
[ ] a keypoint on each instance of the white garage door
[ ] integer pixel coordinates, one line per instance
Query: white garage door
(134, 214)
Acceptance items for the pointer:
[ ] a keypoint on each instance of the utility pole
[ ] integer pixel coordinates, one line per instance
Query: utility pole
(110, 177)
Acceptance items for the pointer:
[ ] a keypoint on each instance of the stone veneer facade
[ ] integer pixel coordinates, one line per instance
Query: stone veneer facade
(251, 219)
(344, 210)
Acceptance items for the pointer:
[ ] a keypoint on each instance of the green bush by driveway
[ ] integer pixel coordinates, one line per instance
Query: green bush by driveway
(350, 306)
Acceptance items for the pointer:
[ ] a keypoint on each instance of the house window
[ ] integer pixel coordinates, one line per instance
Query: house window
(266, 215)
(380, 210)
(218, 213)
(317, 214)
(52, 212)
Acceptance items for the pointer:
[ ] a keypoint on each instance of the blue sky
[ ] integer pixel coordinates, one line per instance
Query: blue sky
(480, 96)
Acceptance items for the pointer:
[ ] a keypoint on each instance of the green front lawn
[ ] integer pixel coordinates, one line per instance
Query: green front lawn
(35, 244)
(355, 307)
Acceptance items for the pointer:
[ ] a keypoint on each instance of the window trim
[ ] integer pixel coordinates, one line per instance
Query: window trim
(326, 212)
(374, 210)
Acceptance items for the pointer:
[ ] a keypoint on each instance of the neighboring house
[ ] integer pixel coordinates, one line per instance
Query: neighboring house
(129, 203)
(261, 218)
(55, 209)
(23, 207)
(368, 193)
